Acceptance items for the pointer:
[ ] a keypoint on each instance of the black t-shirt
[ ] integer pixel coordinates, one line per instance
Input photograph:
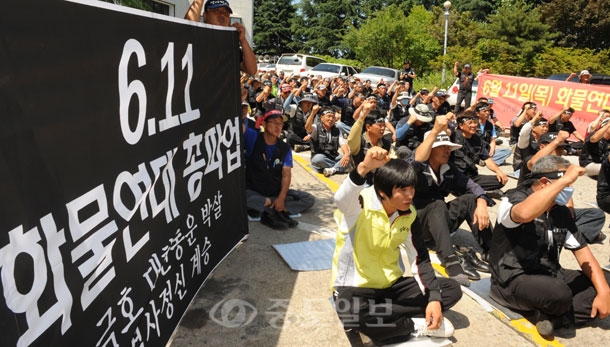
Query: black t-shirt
(467, 157)
(559, 125)
(593, 152)
(443, 109)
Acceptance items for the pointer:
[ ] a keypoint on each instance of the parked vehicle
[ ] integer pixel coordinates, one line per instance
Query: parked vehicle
(297, 63)
(453, 92)
(333, 70)
(264, 67)
(376, 73)
(595, 78)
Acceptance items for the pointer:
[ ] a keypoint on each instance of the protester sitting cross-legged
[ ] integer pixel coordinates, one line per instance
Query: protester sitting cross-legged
(437, 219)
(297, 135)
(370, 293)
(474, 150)
(487, 132)
(533, 226)
(268, 175)
(326, 140)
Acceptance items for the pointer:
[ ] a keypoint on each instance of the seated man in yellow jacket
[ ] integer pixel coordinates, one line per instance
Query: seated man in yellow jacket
(371, 294)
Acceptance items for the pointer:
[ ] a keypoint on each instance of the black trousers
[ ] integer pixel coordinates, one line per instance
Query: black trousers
(382, 314)
(465, 95)
(438, 220)
(488, 182)
(550, 295)
(294, 139)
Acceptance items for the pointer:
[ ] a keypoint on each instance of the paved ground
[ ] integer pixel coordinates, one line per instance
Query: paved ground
(275, 306)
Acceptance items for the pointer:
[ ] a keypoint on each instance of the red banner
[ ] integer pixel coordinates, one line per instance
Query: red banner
(509, 93)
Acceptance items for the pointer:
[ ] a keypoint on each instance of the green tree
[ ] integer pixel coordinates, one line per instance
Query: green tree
(322, 23)
(389, 37)
(479, 9)
(271, 28)
(139, 4)
(463, 34)
(579, 23)
(513, 38)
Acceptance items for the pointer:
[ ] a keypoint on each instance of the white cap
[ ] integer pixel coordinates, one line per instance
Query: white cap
(442, 139)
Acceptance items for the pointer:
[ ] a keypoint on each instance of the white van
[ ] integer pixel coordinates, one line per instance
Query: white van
(297, 63)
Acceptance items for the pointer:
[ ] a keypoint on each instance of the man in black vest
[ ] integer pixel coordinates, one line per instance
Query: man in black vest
(466, 79)
(474, 150)
(533, 226)
(268, 175)
(326, 139)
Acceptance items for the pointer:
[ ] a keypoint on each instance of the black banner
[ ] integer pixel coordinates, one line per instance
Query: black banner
(121, 172)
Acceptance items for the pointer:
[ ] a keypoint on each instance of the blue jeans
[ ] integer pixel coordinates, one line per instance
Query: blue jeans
(321, 161)
(500, 155)
(344, 128)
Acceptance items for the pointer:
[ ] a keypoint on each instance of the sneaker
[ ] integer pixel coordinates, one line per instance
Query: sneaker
(285, 216)
(272, 219)
(254, 215)
(329, 171)
(421, 328)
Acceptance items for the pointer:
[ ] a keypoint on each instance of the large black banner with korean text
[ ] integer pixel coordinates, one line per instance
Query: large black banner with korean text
(121, 175)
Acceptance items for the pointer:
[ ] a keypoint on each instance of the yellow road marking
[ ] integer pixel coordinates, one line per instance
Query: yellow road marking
(332, 185)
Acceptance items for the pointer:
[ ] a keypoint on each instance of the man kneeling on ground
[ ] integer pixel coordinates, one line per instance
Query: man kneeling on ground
(371, 294)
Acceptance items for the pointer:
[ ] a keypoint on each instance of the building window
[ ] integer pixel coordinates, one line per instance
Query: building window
(158, 7)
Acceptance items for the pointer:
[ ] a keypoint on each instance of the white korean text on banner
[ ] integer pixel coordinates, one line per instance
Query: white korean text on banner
(121, 171)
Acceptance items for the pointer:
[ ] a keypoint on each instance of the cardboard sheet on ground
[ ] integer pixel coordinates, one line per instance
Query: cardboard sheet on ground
(308, 255)
(481, 288)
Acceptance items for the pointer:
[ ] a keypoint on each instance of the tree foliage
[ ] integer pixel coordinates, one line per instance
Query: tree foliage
(513, 38)
(139, 4)
(579, 23)
(389, 37)
(272, 34)
(479, 9)
(322, 23)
